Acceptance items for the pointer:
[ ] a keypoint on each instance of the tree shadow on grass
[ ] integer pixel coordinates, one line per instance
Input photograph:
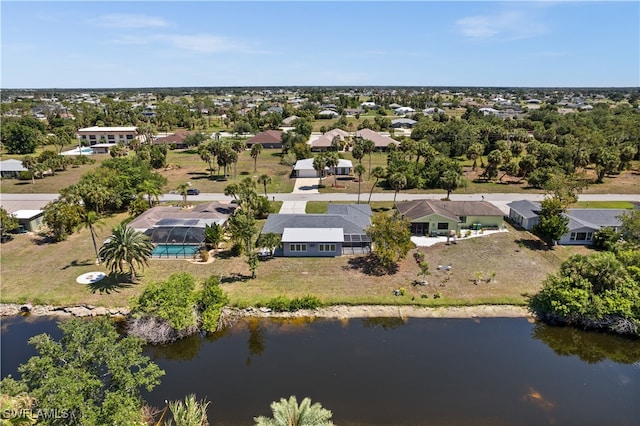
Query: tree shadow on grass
(370, 265)
(235, 277)
(113, 282)
(76, 262)
(531, 244)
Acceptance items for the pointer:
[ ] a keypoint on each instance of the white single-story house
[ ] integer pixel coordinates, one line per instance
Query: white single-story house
(404, 110)
(403, 122)
(11, 168)
(29, 220)
(327, 113)
(342, 230)
(583, 223)
(304, 168)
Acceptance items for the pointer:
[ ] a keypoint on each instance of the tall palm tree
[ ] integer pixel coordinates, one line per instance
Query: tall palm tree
(207, 156)
(151, 191)
(369, 146)
(126, 247)
(182, 190)
(359, 170)
(255, 152)
(319, 163)
(289, 413)
(331, 159)
(265, 180)
(378, 173)
(91, 220)
(397, 181)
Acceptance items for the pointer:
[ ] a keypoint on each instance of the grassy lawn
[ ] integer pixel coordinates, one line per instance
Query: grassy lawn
(602, 205)
(39, 272)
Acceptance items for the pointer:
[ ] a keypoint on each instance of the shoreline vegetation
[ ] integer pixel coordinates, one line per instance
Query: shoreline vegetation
(327, 312)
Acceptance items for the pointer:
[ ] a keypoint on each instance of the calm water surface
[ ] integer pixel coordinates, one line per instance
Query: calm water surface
(385, 371)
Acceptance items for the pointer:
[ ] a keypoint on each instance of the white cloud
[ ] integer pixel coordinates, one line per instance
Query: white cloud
(201, 43)
(510, 24)
(117, 20)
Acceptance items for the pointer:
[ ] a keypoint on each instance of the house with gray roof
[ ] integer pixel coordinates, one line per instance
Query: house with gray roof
(342, 230)
(583, 223)
(11, 168)
(403, 123)
(434, 217)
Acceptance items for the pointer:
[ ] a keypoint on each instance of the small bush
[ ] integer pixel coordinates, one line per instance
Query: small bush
(236, 249)
(284, 304)
(437, 295)
(24, 175)
(279, 304)
(204, 255)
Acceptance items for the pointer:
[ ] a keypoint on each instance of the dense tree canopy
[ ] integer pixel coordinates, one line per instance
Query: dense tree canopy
(92, 376)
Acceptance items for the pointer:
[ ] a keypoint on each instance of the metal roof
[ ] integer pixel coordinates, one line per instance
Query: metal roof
(525, 208)
(312, 235)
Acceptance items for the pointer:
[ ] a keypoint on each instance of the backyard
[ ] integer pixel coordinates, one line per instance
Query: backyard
(40, 272)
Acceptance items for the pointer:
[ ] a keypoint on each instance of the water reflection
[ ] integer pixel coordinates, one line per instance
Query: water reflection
(256, 338)
(383, 323)
(591, 347)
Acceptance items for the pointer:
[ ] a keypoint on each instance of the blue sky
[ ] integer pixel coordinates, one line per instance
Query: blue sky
(419, 43)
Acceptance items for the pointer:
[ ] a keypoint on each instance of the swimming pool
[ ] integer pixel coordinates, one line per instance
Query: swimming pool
(174, 250)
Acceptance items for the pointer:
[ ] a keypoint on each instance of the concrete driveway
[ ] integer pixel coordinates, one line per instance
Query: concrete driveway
(293, 207)
(306, 186)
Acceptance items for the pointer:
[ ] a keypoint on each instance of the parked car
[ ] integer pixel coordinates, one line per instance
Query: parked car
(193, 191)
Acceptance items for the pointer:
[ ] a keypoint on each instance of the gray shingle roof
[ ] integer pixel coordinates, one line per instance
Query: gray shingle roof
(352, 218)
(525, 208)
(451, 209)
(594, 218)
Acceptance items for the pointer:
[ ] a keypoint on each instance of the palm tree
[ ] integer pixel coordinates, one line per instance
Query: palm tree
(319, 163)
(182, 190)
(359, 170)
(91, 220)
(369, 146)
(207, 156)
(151, 191)
(264, 180)
(29, 162)
(126, 246)
(397, 182)
(378, 173)
(289, 413)
(255, 151)
(331, 159)
(270, 241)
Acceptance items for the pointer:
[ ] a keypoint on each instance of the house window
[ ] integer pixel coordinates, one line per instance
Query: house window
(129, 137)
(297, 247)
(84, 136)
(327, 247)
(581, 236)
(463, 219)
(111, 137)
(443, 225)
(92, 137)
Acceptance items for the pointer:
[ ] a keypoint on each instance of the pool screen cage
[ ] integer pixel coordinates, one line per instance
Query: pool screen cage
(180, 241)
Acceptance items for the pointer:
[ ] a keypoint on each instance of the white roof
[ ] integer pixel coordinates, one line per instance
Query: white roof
(27, 214)
(12, 165)
(108, 129)
(307, 164)
(312, 235)
(103, 145)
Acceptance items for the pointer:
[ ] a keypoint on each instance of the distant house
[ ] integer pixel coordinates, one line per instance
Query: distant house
(433, 110)
(289, 120)
(381, 142)
(583, 223)
(102, 148)
(29, 220)
(304, 168)
(268, 139)
(11, 168)
(341, 231)
(403, 123)
(404, 110)
(431, 217)
(97, 134)
(327, 113)
(370, 105)
(325, 142)
(175, 140)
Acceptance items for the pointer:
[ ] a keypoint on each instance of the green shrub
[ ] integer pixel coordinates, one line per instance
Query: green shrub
(204, 255)
(236, 249)
(279, 304)
(24, 175)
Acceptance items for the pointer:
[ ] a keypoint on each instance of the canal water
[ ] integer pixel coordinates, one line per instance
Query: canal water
(387, 371)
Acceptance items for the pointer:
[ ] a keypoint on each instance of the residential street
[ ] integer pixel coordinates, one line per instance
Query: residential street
(13, 202)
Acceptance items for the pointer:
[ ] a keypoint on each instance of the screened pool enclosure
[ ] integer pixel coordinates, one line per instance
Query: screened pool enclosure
(177, 238)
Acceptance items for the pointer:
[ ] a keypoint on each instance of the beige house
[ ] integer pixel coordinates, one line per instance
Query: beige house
(107, 135)
(431, 217)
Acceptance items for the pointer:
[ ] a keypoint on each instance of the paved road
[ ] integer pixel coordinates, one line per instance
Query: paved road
(353, 197)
